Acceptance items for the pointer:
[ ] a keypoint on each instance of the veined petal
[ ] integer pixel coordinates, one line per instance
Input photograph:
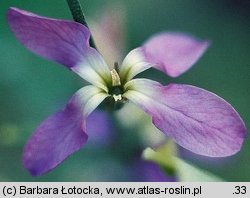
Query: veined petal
(65, 42)
(94, 70)
(173, 53)
(55, 139)
(134, 63)
(90, 97)
(62, 41)
(61, 134)
(196, 119)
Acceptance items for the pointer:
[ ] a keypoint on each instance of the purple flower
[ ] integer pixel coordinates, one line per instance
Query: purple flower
(99, 136)
(196, 119)
(147, 171)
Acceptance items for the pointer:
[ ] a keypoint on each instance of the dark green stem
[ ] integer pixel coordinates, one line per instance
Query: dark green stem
(78, 16)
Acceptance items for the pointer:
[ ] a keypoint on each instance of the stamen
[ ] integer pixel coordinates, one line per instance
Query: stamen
(115, 78)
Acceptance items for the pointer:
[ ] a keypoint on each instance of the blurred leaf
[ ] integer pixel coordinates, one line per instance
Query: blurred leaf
(165, 156)
(8, 134)
(188, 172)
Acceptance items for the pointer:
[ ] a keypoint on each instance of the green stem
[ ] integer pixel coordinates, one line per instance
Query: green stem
(78, 16)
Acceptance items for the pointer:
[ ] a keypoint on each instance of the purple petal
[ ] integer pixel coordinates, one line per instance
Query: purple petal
(55, 139)
(196, 119)
(146, 171)
(61, 134)
(173, 53)
(59, 40)
(99, 136)
(65, 42)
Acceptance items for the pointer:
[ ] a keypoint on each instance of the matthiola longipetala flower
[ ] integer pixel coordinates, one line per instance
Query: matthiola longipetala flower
(196, 119)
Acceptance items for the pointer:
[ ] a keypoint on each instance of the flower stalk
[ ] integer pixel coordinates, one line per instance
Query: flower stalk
(78, 16)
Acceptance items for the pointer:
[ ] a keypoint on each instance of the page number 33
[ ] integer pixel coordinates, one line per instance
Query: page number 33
(240, 190)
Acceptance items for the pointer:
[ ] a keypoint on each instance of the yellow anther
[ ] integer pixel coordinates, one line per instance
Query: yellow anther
(115, 78)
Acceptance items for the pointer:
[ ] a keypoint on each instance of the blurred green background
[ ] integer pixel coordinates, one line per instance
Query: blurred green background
(31, 88)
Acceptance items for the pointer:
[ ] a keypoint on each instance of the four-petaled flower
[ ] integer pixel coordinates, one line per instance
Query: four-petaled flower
(196, 119)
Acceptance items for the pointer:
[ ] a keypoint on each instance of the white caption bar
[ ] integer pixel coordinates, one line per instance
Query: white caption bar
(119, 189)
